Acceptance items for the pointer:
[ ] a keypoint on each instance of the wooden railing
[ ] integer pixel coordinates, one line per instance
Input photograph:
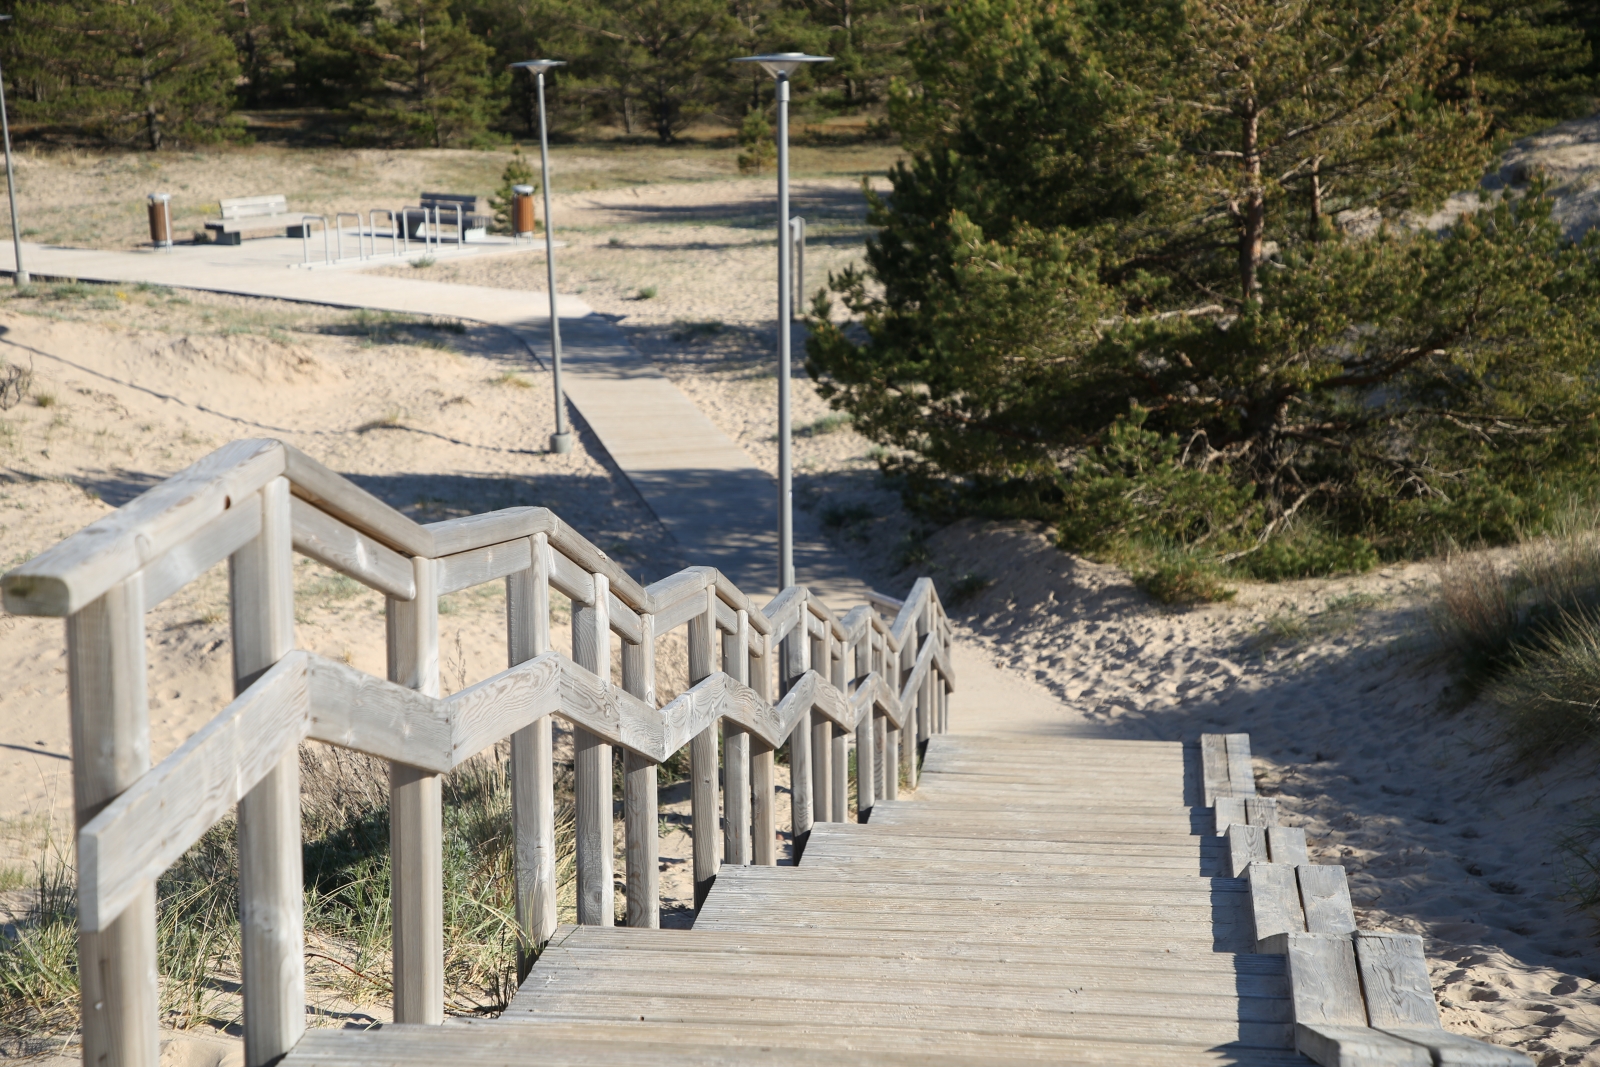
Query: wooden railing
(256, 502)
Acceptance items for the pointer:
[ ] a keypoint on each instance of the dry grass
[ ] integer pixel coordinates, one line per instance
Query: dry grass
(345, 827)
(1527, 637)
(97, 199)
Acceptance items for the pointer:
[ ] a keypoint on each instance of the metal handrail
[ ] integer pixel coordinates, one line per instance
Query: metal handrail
(461, 232)
(305, 238)
(405, 226)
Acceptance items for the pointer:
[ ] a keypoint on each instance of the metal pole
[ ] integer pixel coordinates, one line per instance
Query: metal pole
(785, 312)
(561, 440)
(21, 275)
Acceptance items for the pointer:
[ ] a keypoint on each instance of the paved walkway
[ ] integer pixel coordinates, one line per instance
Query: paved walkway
(703, 487)
(1039, 901)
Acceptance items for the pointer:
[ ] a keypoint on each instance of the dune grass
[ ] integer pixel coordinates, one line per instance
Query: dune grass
(1527, 637)
(345, 828)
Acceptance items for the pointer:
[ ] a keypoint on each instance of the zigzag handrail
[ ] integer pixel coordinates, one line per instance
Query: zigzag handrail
(255, 502)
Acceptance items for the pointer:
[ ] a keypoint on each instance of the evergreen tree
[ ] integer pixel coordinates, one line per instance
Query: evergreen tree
(672, 55)
(153, 72)
(426, 80)
(518, 172)
(1116, 205)
(1527, 63)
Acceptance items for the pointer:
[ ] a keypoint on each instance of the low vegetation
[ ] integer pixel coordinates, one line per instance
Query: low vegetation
(345, 824)
(1526, 635)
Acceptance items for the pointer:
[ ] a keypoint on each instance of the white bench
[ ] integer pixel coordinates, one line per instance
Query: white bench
(257, 216)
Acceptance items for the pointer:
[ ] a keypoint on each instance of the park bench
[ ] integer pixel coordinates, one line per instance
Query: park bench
(475, 219)
(254, 215)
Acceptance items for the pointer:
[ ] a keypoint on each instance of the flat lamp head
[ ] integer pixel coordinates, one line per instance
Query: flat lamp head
(539, 66)
(782, 64)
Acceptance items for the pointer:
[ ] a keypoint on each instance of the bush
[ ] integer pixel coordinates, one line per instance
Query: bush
(1549, 694)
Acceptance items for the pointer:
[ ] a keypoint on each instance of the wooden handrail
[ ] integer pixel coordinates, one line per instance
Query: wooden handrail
(836, 676)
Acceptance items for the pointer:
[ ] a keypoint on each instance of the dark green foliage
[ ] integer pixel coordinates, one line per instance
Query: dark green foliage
(1528, 63)
(1143, 206)
(760, 151)
(148, 72)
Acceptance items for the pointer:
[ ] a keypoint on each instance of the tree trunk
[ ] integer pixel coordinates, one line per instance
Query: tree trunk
(1253, 223)
(152, 117)
(627, 114)
(1316, 198)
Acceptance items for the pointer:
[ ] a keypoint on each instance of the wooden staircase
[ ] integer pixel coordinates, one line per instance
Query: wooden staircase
(1039, 901)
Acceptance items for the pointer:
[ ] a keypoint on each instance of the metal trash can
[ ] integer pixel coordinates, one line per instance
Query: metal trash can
(522, 217)
(161, 220)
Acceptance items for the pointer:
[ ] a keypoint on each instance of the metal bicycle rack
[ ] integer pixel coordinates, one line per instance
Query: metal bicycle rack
(338, 235)
(394, 231)
(305, 238)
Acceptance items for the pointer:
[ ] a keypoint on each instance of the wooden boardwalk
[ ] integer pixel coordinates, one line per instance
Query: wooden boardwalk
(1039, 901)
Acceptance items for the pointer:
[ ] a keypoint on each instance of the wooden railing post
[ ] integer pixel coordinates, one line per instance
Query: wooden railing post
(909, 727)
(271, 885)
(593, 793)
(840, 805)
(416, 816)
(736, 751)
(533, 806)
(821, 736)
(641, 825)
(106, 683)
(763, 773)
(792, 663)
(703, 755)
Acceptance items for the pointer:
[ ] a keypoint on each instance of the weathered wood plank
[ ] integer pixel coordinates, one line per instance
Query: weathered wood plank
(207, 547)
(1241, 777)
(592, 759)
(641, 833)
(1287, 844)
(271, 886)
(350, 552)
(147, 828)
(1395, 982)
(1246, 845)
(463, 570)
(1445, 1049)
(70, 575)
(354, 506)
(703, 755)
(1214, 767)
(1261, 811)
(1274, 901)
(1227, 811)
(736, 751)
(1356, 1046)
(416, 815)
(1325, 896)
(533, 818)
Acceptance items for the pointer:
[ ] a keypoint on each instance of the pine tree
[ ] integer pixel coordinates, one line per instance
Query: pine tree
(154, 72)
(430, 83)
(671, 55)
(518, 172)
(1111, 206)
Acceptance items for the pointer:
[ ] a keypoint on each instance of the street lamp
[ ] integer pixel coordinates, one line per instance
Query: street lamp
(780, 65)
(21, 276)
(561, 440)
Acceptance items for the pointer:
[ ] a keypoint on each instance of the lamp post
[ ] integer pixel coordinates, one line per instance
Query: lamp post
(781, 65)
(21, 275)
(561, 440)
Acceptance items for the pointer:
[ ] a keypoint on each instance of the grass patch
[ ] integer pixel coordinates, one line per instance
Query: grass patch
(388, 421)
(512, 378)
(647, 293)
(345, 832)
(45, 399)
(423, 262)
(967, 588)
(1528, 638)
(833, 422)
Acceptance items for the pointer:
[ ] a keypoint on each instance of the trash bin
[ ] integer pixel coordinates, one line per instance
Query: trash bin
(522, 218)
(161, 220)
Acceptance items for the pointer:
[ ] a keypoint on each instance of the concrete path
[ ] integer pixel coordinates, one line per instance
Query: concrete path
(703, 487)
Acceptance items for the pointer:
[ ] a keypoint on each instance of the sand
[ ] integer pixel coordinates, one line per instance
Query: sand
(1337, 681)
